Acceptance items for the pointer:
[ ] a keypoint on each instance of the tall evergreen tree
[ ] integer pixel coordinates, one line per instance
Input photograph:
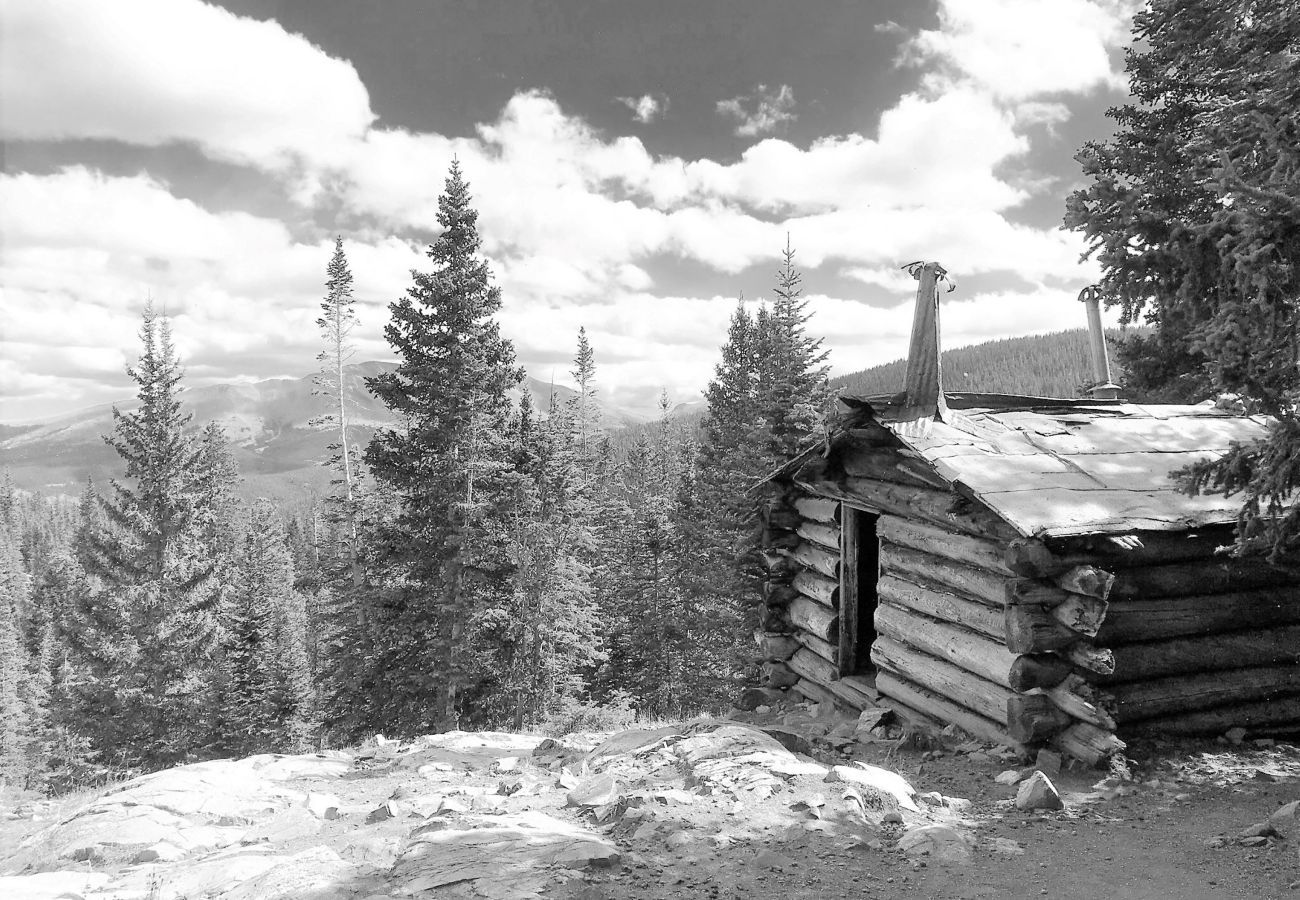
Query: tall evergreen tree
(446, 464)
(15, 712)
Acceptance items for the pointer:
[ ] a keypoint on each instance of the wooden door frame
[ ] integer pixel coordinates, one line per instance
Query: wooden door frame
(850, 605)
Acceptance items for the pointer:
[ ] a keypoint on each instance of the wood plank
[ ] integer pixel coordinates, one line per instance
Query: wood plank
(812, 617)
(825, 536)
(817, 587)
(977, 694)
(807, 664)
(817, 559)
(895, 688)
(940, 604)
(828, 652)
(1275, 715)
(1205, 653)
(971, 651)
(1058, 511)
(981, 553)
(849, 651)
(1145, 620)
(1182, 693)
(818, 509)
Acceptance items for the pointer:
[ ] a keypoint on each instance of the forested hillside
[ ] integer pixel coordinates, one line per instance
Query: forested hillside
(1046, 365)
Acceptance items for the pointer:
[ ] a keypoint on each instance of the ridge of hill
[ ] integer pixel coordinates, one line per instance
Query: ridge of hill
(267, 422)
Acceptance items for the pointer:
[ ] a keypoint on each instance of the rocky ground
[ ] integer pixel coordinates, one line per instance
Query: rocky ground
(775, 803)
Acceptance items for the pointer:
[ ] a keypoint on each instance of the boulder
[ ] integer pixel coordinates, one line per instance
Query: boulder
(1009, 777)
(595, 790)
(1285, 821)
(881, 782)
(940, 843)
(1038, 792)
(790, 740)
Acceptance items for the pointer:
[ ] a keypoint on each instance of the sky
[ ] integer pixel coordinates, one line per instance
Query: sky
(637, 166)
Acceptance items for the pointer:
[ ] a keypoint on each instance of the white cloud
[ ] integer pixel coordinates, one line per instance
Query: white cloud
(154, 72)
(761, 112)
(646, 108)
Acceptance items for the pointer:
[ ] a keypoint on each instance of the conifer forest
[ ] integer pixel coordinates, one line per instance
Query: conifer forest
(487, 564)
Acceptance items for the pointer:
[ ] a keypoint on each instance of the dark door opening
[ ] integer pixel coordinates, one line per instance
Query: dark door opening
(859, 570)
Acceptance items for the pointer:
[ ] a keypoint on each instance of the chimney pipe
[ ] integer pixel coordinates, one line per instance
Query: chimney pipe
(1104, 388)
(923, 382)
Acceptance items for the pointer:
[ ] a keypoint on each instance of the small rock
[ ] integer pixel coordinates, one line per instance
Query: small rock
(892, 818)
(390, 809)
(1259, 829)
(770, 859)
(881, 781)
(679, 839)
(1038, 792)
(506, 764)
(449, 805)
(595, 790)
(941, 843)
(1009, 777)
(323, 806)
(1253, 841)
(762, 710)
(790, 740)
(1235, 735)
(753, 698)
(1048, 762)
(1285, 821)
(931, 798)
(587, 855)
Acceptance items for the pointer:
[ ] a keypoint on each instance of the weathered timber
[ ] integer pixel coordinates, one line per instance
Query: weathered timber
(977, 694)
(931, 539)
(1145, 620)
(1182, 693)
(825, 536)
(780, 515)
(961, 579)
(774, 618)
(1031, 558)
(1275, 714)
(1142, 548)
(779, 593)
(1088, 656)
(828, 652)
(807, 664)
(969, 650)
(945, 509)
(939, 604)
(1033, 592)
(816, 693)
(1088, 580)
(873, 434)
(889, 465)
(941, 709)
(778, 675)
(780, 540)
(818, 509)
(1039, 670)
(1031, 629)
(817, 559)
(814, 618)
(1088, 743)
(855, 700)
(1034, 717)
(864, 685)
(777, 564)
(1082, 614)
(1206, 653)
(1074, 697)
(850, 529)
(818, 587)
(774, 646)
(1219, 575)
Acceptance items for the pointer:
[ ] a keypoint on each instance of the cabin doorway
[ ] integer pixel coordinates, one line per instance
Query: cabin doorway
(859, 572)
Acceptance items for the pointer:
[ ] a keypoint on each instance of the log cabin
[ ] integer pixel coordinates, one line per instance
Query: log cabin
(1024, 568)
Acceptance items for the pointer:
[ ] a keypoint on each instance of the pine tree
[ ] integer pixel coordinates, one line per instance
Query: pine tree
(446, 464)
(15, 712)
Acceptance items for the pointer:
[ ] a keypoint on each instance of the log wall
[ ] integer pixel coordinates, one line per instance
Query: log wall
(1024, 642)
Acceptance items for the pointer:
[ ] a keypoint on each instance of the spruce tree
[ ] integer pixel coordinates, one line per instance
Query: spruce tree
(445, 464)
(15, 713)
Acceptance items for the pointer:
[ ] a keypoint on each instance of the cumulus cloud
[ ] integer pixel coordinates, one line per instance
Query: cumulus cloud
(761, 112)
(646, 108)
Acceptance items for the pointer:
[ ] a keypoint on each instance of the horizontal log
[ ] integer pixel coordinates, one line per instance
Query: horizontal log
(940, 604)
(1090, 657)
(850, 698)
(1220, 575)
(1182, 693)
(816, 693)
(825, 536)
(779, 515)
(1031, 558)
(807, 664)
(1088, 743)
(1039, 670)
(1206, 653)
(1082, 614)
(779, 593)
(885, 464)
(774, 618)
(777, 564)
(1076, 699)
(1088, 580)
(1142, 548)
(1277, 715)
(778, 675)
(826, 651)
(1146, 620)
(1031, 629)
(818, 509)
(911, 696)
(863, 685)
(1033, 717)
(825, 591)
(815, 619)
(930, 539)
(971, 651)
(817, 559)
(961, 579)
(977, 694)
(779, 540)
(943, 508)
(775, 647)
